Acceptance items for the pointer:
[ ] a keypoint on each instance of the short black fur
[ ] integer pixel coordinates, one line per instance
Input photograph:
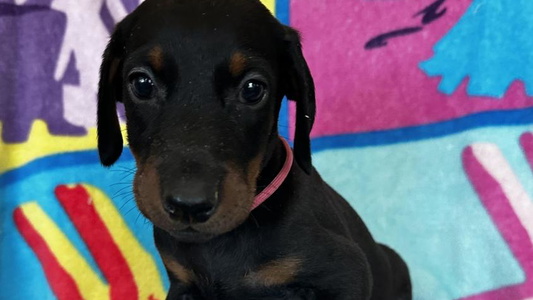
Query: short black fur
(202, 154)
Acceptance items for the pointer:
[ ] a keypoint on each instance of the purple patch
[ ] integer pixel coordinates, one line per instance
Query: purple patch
(130, 5)
(16, 10)
(30, 48)
(106, 17)
(72, 74)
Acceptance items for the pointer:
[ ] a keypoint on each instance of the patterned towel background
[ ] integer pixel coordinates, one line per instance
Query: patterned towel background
(425, 124)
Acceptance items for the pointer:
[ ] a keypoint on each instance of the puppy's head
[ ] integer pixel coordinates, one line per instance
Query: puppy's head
(202, 82)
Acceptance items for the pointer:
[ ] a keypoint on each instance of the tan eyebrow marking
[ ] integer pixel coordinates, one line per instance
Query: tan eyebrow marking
(237, 63)
(156, 59)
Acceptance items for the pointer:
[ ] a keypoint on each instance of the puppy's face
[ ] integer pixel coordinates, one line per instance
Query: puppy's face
(202, 83)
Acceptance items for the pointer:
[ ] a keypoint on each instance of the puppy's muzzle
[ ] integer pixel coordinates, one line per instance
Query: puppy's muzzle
(192, 202)
(190, 186)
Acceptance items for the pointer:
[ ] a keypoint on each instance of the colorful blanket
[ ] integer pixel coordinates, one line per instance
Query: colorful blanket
(425, 124)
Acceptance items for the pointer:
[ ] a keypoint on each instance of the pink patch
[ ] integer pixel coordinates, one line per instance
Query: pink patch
(362, 90)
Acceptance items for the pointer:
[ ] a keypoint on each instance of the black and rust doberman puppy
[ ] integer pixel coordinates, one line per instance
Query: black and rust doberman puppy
(202, 83)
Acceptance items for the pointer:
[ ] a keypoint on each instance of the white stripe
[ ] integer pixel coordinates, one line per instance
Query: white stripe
(492, 159)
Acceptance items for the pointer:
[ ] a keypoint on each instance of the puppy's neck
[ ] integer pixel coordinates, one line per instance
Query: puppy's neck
(272, 164)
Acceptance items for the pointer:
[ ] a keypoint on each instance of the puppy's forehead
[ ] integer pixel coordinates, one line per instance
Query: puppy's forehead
(205, 25)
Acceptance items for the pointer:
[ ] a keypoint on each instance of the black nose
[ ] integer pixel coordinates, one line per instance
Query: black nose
(193, 210)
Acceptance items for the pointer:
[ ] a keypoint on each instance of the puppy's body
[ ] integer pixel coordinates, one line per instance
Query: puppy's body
(202, 82)
(323, 246)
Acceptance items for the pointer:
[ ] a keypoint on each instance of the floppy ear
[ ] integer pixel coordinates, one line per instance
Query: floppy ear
(301, 89)
(109, 91)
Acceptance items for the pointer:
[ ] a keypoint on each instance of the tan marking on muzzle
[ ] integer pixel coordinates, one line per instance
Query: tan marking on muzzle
(135, 156)
(236, 198)
(237, 64)
(277, 272)
(253, 169)
(146, 188)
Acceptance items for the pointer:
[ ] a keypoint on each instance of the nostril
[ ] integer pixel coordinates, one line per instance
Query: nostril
(170, 207)
(193, 209)
(201, 213)
(174, 210)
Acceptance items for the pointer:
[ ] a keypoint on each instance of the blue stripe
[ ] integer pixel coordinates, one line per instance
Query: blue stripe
(415, 133)
(377, 138)
(283, 120)
(282, 11)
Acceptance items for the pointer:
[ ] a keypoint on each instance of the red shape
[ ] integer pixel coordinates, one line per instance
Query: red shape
(62, 284)
(497, 204)
(78, 205)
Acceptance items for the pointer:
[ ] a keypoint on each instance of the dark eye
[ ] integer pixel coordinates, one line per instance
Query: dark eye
(142, 86)
(253, 91)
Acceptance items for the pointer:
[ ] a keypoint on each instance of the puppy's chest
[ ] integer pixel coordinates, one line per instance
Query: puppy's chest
(251, 284)
(233, 274)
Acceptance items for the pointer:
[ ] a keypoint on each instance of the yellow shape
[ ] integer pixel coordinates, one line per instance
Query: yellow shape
(271, 5)
(88, 282)
(41, 143)
(141, 262)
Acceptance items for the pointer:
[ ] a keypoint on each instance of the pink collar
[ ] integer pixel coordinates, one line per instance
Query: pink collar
(278, 180)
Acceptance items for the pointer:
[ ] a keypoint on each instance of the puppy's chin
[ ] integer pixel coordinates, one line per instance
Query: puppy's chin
(224, 220)
(190, 235)
(196, 233)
